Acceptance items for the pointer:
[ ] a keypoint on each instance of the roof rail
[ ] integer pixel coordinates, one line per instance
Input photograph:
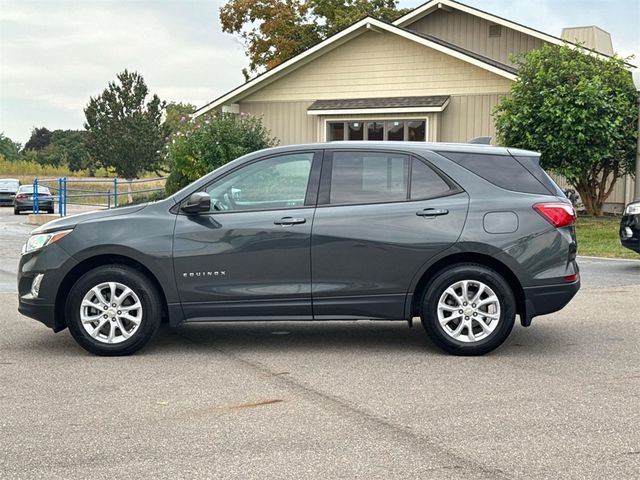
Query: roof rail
(480, 141)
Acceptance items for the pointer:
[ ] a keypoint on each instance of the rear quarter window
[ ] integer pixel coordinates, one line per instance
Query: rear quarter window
(503, 171)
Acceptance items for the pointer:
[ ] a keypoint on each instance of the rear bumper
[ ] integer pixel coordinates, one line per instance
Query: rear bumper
(547, 299)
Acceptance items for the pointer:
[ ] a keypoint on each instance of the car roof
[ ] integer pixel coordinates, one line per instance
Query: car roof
(409, 146)
(9, 180)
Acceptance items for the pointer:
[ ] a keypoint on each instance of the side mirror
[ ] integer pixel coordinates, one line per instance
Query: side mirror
(198, 202)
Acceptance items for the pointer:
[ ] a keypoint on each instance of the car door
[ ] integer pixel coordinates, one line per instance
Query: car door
(249, 256)
(381, 215)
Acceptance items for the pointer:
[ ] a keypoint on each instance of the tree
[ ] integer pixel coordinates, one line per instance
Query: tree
(275, 30)
(211, 141)
(9, 149)
(40, 138)
(579, 111)
(125, 129)
(177, 114)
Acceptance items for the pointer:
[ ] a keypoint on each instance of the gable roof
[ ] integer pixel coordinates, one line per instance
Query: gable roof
(358, 28)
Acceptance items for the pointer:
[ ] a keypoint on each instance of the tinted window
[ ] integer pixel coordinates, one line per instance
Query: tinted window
(363, 177)
(501, 170)
(277, 182)
(425, 182)
(532, 163)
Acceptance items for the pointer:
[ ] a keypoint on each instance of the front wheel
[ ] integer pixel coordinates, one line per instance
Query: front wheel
(113, 310)
(468, 309)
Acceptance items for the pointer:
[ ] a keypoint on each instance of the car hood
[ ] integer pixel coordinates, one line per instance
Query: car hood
(70, 222)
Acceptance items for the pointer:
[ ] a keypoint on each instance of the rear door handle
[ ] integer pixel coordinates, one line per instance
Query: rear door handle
(288, 221)
(432, 212)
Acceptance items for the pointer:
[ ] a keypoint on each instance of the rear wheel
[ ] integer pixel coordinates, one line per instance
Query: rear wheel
(16, 211)
(468, 309)
(113, 310)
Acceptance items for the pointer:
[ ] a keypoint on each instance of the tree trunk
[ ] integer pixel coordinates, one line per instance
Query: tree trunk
(594, 193)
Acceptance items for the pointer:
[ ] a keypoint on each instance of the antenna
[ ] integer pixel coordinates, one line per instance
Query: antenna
(480, 141)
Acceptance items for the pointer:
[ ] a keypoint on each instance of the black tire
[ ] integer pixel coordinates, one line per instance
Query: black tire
(16, 211)
(50, 210)
(448, 278)
(141, 286)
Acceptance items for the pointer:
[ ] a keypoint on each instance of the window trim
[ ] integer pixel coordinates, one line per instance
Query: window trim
(311, 195)
(374, 118)
(324, 192)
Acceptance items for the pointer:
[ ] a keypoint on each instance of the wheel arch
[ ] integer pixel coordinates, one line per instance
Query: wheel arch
(467, 257)
(100, 260)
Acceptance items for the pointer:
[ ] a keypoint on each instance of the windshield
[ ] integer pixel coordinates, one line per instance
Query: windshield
(8, 185)
(29, 189)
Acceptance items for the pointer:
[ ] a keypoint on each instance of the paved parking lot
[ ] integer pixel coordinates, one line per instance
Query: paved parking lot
(336, 400)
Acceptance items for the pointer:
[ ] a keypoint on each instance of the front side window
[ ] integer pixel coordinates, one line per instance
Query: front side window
(379, 130)
(368, 177)
(274, 183)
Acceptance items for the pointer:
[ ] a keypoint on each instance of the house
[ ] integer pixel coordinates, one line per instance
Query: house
(435, 74)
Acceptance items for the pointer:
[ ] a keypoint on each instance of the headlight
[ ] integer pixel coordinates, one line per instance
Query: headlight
(36, 242)
(632, 209)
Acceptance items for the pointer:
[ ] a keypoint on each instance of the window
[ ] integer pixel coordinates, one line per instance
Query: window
(273, 183)
(392, 130)
(368, 177)
(395, 130)
(425, 182)
(501, 170)
(356, 131)
(335, 131)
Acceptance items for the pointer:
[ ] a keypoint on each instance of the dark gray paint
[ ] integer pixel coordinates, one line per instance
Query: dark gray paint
(357, 261)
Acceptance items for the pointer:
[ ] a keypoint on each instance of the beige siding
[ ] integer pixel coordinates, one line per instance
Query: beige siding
(467, 117)
(381, 65)
(472, 33)
(290, 124)
(287, 121)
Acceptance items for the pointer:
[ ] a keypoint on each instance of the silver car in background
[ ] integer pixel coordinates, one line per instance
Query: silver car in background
(8, 189)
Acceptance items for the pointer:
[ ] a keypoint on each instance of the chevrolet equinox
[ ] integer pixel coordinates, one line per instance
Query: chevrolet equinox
(463, 236)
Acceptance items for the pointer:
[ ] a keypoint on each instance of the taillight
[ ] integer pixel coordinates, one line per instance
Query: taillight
(21, 195)
(557, 214)
(571, 278)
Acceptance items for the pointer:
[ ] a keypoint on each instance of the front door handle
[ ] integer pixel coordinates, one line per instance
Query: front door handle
(288, 221)
(432, 212)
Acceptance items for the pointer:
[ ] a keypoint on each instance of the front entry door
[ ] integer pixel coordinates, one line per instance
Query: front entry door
(249, 257)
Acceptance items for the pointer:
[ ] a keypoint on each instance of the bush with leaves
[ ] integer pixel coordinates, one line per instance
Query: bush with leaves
(579, 110)
(209, 142)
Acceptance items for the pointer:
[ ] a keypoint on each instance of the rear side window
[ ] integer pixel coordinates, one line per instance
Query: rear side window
(501, 170)
(368, 177)
(425, 183)
(532, 163)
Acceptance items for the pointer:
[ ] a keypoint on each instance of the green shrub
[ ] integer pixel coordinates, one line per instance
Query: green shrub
(211, 141)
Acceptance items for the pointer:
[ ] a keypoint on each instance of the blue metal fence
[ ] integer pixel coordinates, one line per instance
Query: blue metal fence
(68, 193)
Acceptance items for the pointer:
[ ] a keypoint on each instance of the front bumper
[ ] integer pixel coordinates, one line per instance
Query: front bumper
(54, 263)
(630, 232)
(547, 299)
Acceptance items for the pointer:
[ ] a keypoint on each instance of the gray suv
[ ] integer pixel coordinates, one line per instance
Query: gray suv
(464, 236)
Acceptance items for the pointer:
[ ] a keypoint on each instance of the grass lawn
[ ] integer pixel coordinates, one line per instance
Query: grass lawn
(598, 237)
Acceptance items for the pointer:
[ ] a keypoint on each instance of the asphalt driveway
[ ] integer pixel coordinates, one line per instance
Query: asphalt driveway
(332, 400)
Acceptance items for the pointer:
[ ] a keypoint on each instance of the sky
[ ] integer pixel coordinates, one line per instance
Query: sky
(56, 54)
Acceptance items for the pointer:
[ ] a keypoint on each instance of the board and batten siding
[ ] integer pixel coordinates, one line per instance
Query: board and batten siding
(467, 117)
(381, 65)
(472, 33)
(288, 122)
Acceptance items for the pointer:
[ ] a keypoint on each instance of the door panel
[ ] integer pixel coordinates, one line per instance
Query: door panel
(364, 256)
(243, 264)
(249, 258)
